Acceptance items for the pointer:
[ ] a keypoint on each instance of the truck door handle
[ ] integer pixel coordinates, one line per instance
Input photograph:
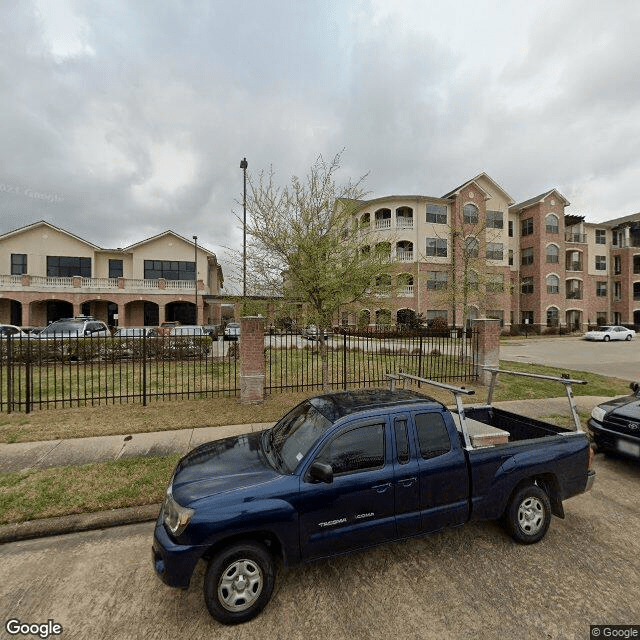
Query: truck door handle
(407, 482)
(381, 488)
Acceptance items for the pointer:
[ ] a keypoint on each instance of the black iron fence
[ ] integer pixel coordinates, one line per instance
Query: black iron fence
(77, 372)
(294, 362)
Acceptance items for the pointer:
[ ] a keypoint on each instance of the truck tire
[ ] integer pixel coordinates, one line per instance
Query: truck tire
(528, 514)
(239, 582)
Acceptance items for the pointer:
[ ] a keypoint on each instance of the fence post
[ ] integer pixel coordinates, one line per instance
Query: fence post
(144, 369)
(344, 360)
(252, 360)
(488, 347)
(9, 374)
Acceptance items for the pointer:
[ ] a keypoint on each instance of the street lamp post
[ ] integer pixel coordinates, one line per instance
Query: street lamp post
(244, 165)
(195, 281)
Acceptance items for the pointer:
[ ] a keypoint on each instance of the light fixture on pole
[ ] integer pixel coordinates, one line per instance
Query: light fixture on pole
(244, 165)
(195, 275)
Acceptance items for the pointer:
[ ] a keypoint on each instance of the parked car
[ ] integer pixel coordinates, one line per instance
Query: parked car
(610, 333)
(615, 424)
(79, 327)
(7, 330)
(311, 332)
(136, 332)
(348, 470)
(188, 330)
(232, 331)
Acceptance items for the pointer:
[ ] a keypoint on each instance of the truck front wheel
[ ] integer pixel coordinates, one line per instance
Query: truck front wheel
(528, 515)
(239, 582)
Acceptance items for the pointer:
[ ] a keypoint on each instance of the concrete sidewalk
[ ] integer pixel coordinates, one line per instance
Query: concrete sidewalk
(55, 453)
(38, 455)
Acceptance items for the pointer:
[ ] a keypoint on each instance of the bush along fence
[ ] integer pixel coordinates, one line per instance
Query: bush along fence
(76, 372)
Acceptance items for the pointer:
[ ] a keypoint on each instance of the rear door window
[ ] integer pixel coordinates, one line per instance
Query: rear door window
(359, 449)
(432, 435)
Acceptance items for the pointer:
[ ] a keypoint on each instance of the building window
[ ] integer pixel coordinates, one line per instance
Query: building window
(574, 290)
(601, 236)
(601, 289)
(636, 264)
(527, 256)
(552, 253)
(552, 317)
(436, 247)
(169, 270)
(495, 220)
(601, 263)
(495, 283)
(527, 285)
(470, 213)
(472, 280)
(115, 269)
(617, 291)
(636, 290)
(66, 267)
(437, 213)
(18, 264)
(527, 227)
(527, 317)
(437, 279)
(510, 257)
(510, 226)
(553, 284)
(471, 247)
(552, 225)
(601, 318)
(436, 313)
(495, 250)
(617, 265)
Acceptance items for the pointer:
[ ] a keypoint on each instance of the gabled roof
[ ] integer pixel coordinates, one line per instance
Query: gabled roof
(537, 199)
(634, 217)
(484, 176)
(44, 223)
(164, 234)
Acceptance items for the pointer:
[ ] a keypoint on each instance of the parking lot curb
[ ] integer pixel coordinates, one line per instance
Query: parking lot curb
(46, 527)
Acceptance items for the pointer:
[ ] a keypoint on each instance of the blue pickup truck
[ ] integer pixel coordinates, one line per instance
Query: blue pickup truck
(348, 470)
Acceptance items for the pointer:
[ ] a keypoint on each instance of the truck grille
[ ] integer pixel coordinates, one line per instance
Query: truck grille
(623, 425)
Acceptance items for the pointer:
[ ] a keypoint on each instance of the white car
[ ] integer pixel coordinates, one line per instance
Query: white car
(232, 331)
(612, 332)
(13, 331)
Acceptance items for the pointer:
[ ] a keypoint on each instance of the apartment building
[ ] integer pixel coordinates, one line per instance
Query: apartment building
(48, 273)
(476, 252)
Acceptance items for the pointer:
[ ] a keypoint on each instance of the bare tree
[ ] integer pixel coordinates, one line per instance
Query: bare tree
(300, 245)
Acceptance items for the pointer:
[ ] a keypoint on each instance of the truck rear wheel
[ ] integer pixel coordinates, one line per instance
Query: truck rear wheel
(528, 515)
(239, 582)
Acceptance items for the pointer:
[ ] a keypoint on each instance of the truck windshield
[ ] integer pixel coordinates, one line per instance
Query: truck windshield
(296, 433)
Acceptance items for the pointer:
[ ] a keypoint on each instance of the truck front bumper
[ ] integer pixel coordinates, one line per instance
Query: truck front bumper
(174, 563)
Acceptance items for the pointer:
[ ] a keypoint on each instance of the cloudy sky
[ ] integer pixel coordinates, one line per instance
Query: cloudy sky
(122, 119)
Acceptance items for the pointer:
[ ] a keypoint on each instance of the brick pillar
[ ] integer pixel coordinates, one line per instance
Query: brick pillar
(251, 360)
(487, 332)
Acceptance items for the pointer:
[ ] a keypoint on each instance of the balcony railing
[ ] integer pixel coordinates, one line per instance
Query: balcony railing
(406, 291)
(574, 295)
(384, 223)
(403, 222)
(404, 256)
(575, 237)
(26, 283)
(574, 266)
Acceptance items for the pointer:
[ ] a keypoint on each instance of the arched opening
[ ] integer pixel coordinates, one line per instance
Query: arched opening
(383, 219)
(364, 318)
(383, 318)
(404, 218)
(404, 251)
(182, 312)
(406, 319)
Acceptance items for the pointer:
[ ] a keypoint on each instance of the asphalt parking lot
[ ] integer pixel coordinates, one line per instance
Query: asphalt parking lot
(471, 582)
(617, 359)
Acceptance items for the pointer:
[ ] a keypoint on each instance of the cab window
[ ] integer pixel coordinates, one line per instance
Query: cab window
(359, 449)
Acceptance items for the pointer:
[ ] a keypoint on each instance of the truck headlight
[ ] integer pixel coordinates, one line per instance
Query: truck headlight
(598, 414)
(175, 516)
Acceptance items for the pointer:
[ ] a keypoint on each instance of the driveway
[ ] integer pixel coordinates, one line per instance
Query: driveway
(469, 582)
(616, 359)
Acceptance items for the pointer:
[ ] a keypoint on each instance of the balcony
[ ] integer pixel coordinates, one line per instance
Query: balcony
(575, 265)
(575, 237)
(383, 223)
(403, 222)
(404, 256)
(405, 291)
(96, 285)
(574, 295)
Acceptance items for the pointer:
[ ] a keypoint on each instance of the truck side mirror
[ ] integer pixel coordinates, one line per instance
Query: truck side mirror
(635, 387)
(321, 472)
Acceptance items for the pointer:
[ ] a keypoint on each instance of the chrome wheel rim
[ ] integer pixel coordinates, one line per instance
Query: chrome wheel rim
(531, 516)
(240, 585)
